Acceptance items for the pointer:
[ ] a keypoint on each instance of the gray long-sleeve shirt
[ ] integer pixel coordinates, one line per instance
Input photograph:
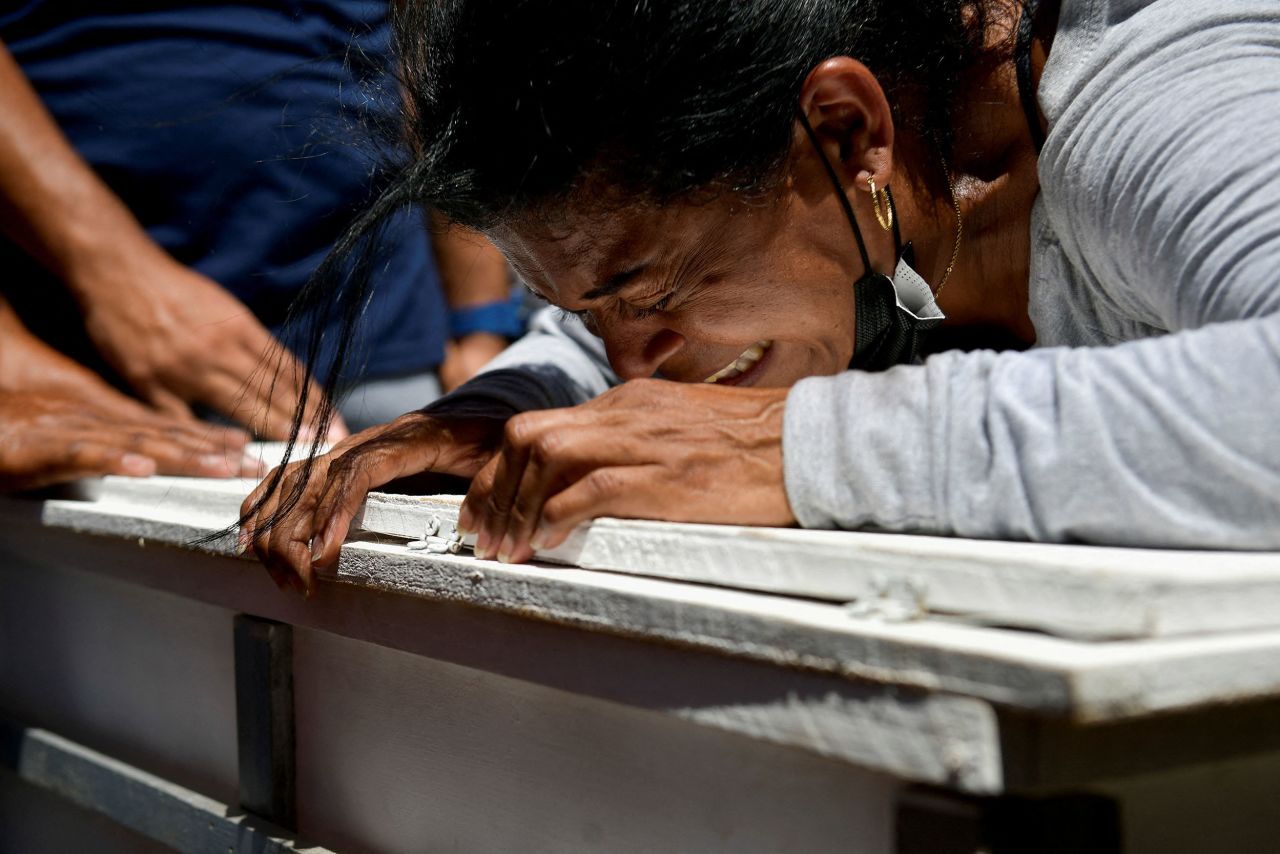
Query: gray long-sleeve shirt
(1149, 411)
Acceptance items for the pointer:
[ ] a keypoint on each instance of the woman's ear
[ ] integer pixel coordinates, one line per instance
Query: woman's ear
(849, 112)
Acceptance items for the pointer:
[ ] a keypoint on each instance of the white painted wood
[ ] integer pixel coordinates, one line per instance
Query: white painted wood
(1087, 681)
(1069, 591)
(936, 738)
(143, 675)
(546, 707)
(402, 753)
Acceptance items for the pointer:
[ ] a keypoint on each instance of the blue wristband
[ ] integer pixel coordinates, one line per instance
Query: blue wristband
(498, 318)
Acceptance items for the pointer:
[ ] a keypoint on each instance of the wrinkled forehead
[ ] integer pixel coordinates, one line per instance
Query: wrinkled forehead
(566, 257)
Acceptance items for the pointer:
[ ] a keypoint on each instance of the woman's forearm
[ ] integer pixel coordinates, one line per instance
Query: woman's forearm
(1165, 442)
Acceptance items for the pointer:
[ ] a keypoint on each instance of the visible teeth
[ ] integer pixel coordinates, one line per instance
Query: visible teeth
(740, 365)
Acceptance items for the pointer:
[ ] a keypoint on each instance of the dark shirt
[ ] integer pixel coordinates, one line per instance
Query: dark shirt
(237, 134)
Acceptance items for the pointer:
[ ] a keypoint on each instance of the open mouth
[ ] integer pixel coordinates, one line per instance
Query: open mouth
(733, 373)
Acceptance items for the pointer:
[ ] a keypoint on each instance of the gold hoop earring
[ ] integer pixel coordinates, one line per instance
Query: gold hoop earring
(883, 216)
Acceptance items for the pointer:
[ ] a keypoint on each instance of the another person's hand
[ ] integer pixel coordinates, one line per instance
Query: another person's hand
(173, 334)
(28, 365)
(180, 339)
(60, 421)
(310, 534)
(48, 438)
(464, 358)
(648, 449)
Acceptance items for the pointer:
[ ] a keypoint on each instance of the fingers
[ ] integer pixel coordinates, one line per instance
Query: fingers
(511, 492)
(262, 503)
(81, 448)
(56, 459)
(544, 453)
(252, 508)
(236, 393)
(603, 492)
(169, 403)
(343, 496)
(100, 401)
(104, 399)
(90, 458)
(280, 391)
(551, 501)
(227, 437)
(196, 449)
(187, 459)
(260, 384)
(492, 493)
(272, 536)
(337, 427)
(175, 448)
(386, 457)
(294, 541)
(308, 535)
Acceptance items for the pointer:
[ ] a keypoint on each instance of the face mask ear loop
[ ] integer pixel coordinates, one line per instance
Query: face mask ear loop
(844, 200)
(897, 231)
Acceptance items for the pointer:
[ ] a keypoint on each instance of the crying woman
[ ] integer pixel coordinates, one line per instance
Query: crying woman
(764, 226)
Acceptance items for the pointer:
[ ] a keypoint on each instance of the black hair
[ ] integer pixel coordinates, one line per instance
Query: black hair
(514, 104)
(511, 106)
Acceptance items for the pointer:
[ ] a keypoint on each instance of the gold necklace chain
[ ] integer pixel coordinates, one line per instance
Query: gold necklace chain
(955, 252)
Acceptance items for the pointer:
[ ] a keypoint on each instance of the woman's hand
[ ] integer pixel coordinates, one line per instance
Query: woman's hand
(309, 534)
(178, 338)
(48, 438)
(646, 450)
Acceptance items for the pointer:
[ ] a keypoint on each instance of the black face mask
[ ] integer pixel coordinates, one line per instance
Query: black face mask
(893, 316)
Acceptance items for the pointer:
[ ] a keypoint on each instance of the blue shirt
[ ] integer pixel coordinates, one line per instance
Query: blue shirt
(236, 134)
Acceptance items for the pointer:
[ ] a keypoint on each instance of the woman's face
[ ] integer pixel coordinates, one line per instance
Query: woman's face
(751, 293)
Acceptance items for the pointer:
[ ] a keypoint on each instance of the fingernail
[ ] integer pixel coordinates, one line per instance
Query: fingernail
(136, 465)
(464, 519)
(505, 550)
(242, 545)
(539, 540)
(482, 545)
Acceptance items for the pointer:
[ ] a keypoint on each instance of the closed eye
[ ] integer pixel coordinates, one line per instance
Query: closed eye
(585, 316)
(650, 310)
